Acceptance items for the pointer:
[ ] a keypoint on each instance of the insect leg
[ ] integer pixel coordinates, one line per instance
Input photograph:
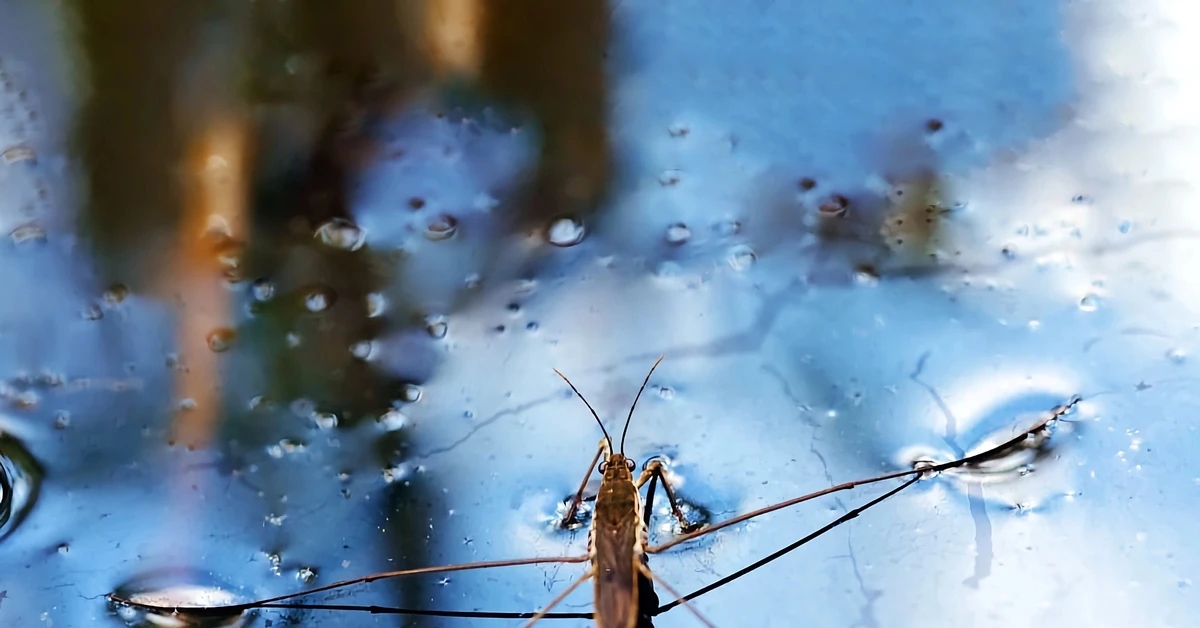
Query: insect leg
(1039, 428)
(561, 596)
(679, 599)
(230, 608)
(656, 471)
(786, 550)
(601, 450)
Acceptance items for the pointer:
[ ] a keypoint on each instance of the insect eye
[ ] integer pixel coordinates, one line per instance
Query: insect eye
(630, 464)
(603, 466)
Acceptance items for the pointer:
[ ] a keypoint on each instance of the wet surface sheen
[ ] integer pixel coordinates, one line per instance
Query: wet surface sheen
(861, 237)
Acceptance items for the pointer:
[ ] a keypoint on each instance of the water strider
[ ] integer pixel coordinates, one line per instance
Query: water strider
(624, 595)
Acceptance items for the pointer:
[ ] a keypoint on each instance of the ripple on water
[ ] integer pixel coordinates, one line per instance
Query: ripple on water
(1024, 475)
(20, 480)
(177, 588)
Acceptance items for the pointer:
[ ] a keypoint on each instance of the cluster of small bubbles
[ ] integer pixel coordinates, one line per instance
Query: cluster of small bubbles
(1089, 303)
(411, 393)
(220, 340)
(441, 227)
(276, 563)
(274, 519)
(362, 349)
(669, 178)
(376, 304)
(341, 234)
(396, 473)
(1177, 355)
(742, 257)
(325, 420)
(319, 298)
(284, 447)
(306, 574)
(678, 234)
(262, 290)
(436, 327)
(565, 232)
(115, 294)
(393, 420)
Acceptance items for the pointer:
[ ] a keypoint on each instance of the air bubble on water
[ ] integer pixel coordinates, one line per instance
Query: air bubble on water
(410, 393)
(393, 420)
(436, 326)
(62, 420)
(319, 298)
(1177, 355)
(306, 574)
(441, 227)
(678, 234)
(362, 349)
(376, 304)
(63, 549)
(565, 232)
(742, 257)
(325, 420)
(187, 404)
(531, 326)
(263, 290)
(341, 234)
(220, 340)
(665, 392)
(396, 473)
(669, 177)
(115, 294)
(274, 519)
(1089, 303)
(284, 447)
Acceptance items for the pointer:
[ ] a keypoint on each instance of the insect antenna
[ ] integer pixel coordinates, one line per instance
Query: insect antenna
(589, 407)
(635, 400)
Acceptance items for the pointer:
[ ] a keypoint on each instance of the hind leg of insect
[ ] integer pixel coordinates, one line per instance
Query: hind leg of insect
(602, 450)
(1032, 435)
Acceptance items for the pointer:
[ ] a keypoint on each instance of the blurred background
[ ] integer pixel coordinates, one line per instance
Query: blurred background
(285, 280)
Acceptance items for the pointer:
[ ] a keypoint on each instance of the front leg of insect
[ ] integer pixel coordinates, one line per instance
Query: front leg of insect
(570, 521)
(656, 470)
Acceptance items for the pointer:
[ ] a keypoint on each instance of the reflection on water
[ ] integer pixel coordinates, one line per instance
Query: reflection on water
(286, 282)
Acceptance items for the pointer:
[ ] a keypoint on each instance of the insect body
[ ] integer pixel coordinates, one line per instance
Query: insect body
(624, 595)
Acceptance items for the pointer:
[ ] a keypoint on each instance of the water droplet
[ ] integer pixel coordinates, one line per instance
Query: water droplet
(393, 420)
(319, 298)
(362, 349)
(411, 393)
(306, 574)
(1177, 355)
(531, 326)
(742, 257)
(263, 290)
(441, 227)
(436, 326)
(64, 549)
(115, 294)
(376, 304)
(342, 234)
(187, 404)
(1089, 303)
(220, 340)
(565, 232)
(678, 234)
(325, 420)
